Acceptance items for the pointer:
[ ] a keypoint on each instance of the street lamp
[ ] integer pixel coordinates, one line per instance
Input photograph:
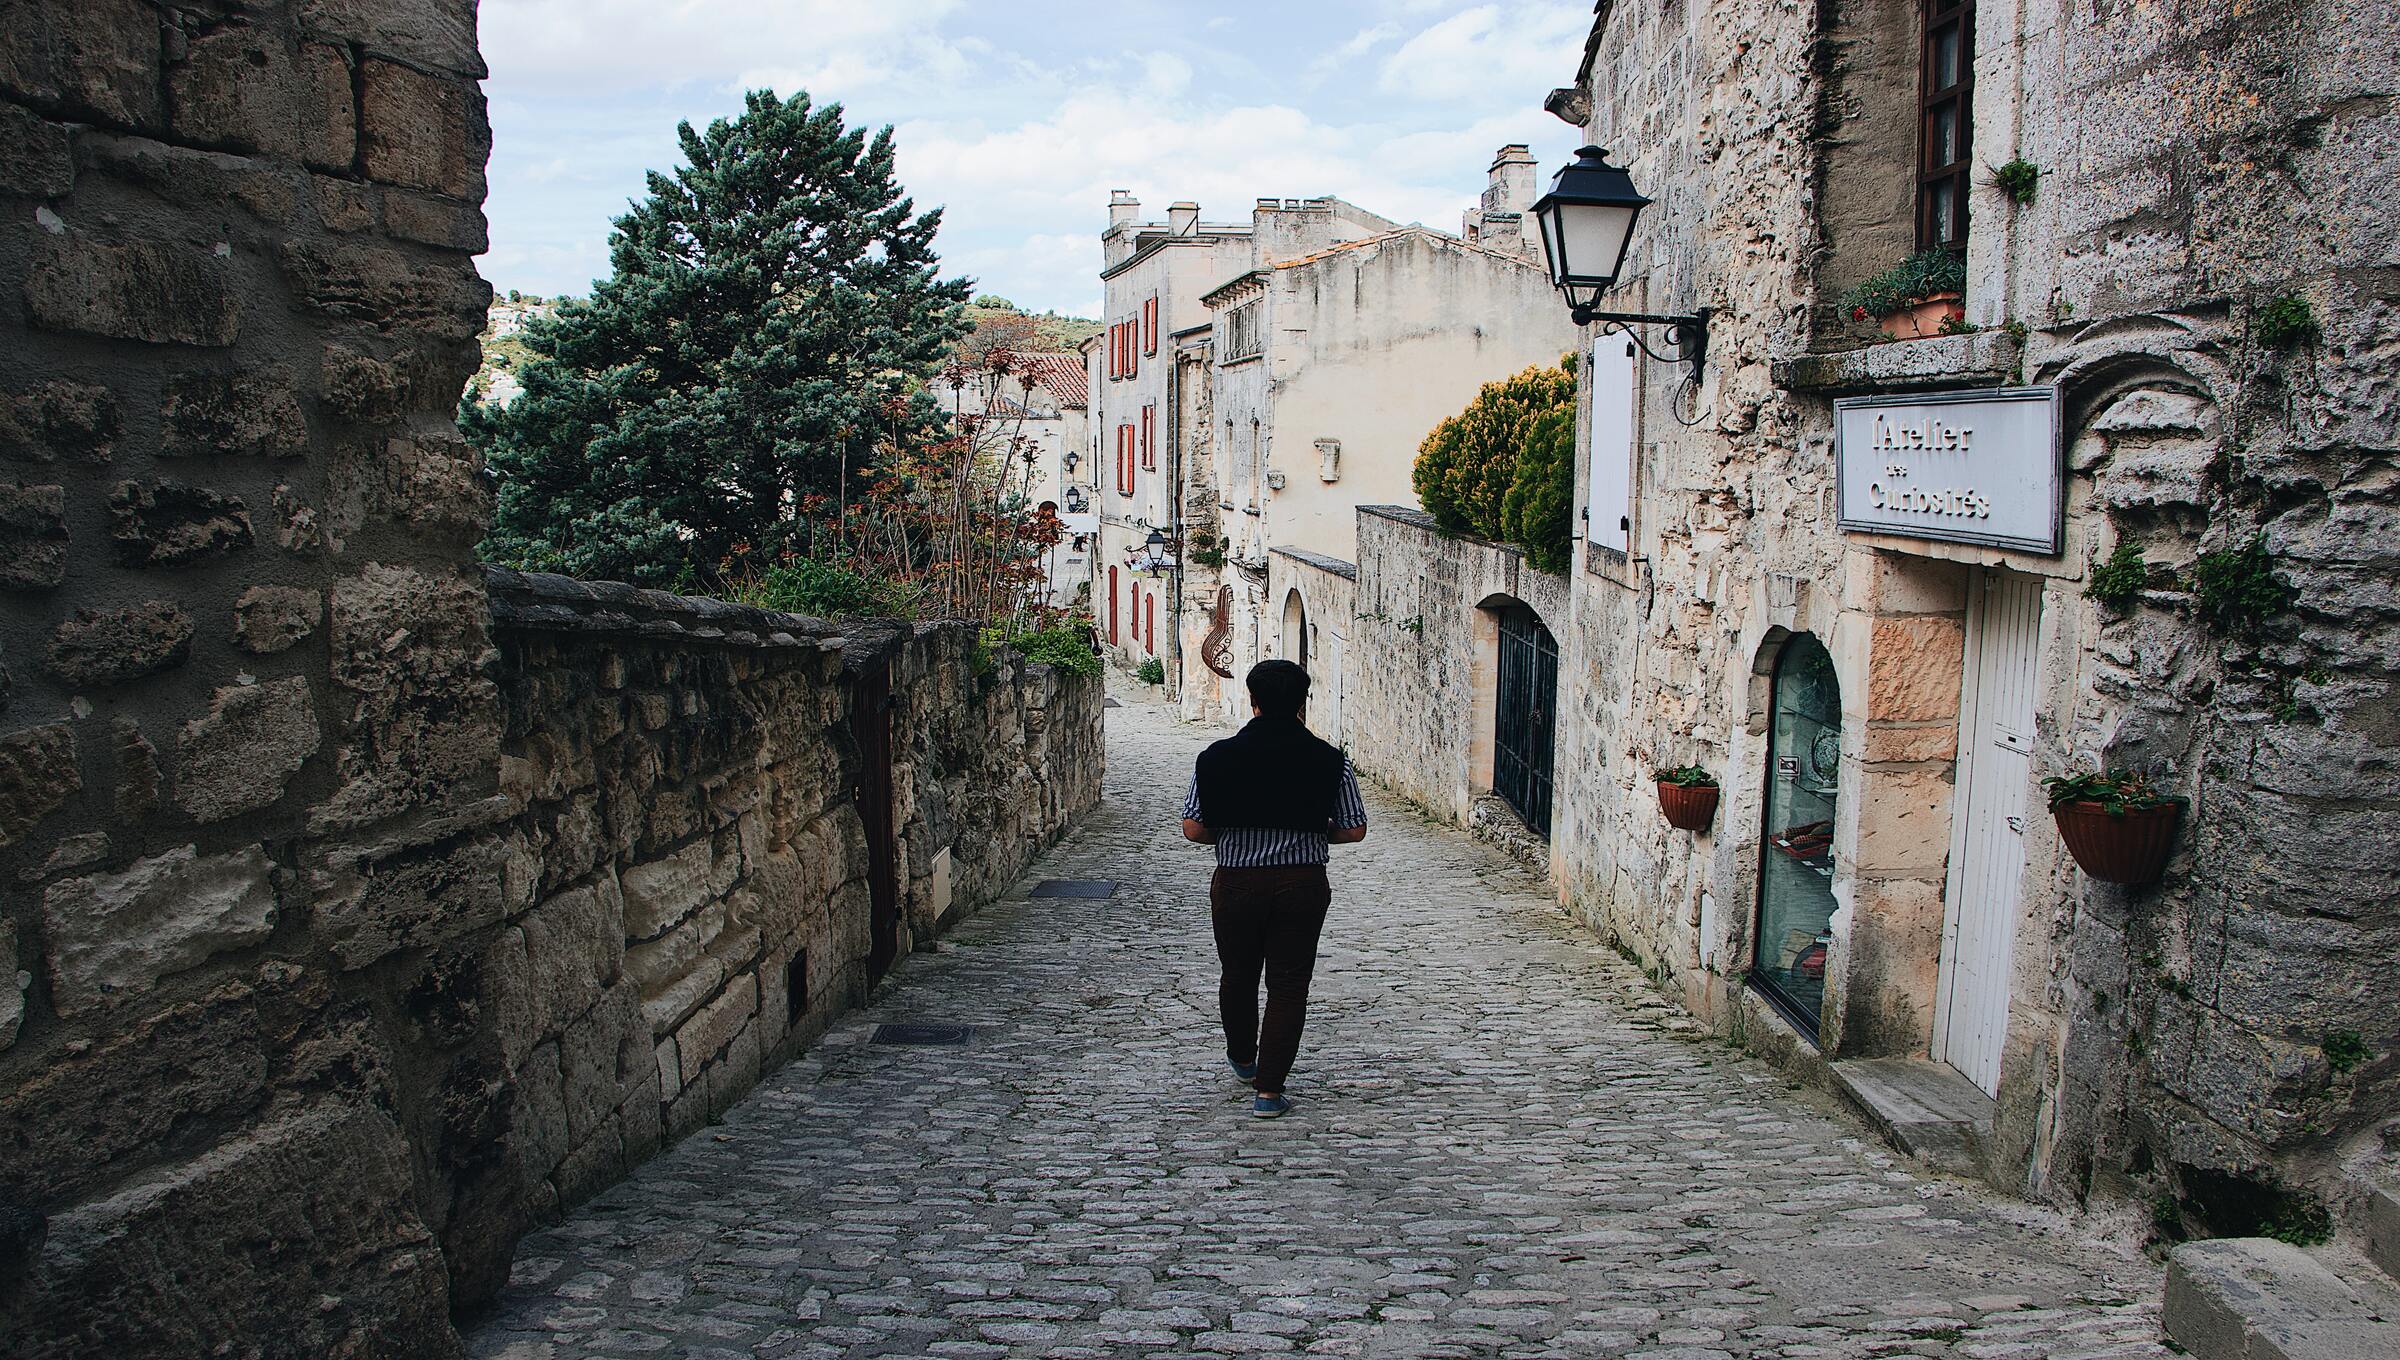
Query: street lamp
(1587, 222)
(1077, 502)
(1155, 555)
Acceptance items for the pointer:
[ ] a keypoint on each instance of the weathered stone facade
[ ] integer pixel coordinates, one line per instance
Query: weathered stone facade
(345, 933)
(2227, 1037)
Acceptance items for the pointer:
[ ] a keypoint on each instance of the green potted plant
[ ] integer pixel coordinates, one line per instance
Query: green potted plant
(1688, 795)
(2117, 824)
(1917, 297)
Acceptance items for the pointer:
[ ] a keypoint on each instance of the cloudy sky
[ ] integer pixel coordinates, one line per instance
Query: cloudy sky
(1019, 118)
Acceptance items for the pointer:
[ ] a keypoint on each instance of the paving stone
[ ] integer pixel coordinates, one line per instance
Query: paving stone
(1505, 1144)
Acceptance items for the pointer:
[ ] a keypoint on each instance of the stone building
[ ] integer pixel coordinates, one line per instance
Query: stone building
(364, 907)
(2172, 549)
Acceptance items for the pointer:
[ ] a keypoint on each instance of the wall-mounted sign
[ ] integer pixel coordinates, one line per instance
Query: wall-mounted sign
(1965, 467)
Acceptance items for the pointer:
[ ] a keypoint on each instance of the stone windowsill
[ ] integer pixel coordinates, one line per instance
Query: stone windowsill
(1978, 359)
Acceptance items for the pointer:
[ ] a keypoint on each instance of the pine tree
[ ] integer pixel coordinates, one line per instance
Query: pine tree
(773, 310)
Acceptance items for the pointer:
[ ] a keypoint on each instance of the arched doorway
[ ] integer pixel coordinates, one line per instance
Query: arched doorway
(1295, 629)
(1525, 715)
(1795, 852)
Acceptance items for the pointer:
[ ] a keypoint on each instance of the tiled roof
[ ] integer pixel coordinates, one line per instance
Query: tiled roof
(1063, 374)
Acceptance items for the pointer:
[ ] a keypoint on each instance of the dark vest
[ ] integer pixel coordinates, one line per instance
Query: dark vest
(1272, 773)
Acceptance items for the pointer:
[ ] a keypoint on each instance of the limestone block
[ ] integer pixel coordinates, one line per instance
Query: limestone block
(573, 950)
(670, 1070)
(38, 775)
(1914, 669)
(60, 421)
(430, 483)
(247, 88)
(233, 413)
(343, 206)
(127, 1093)
(424, 727)
(665, 891)
(436, 221)
(682, 994)
(1887, 743)
(95, 58)
(107, 647)
(2254, 1298)
(394, 290)
(358, 386)
(167, 524)
(14, 979)
(1903, 823)
(434, 33)
(422, 131)
(271, 619)
(33, 536)
(35, 158)
(157, 293)
(598, 1056)
(238, 758)
(115, 935)
(714, 1026)
(368, 901)
(324, 1194)
(512, 1008)
(137, 778)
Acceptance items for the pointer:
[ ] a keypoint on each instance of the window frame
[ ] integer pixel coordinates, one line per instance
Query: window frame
(1934, 16)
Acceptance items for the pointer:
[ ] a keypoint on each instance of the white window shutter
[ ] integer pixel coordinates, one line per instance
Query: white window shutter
(1608, 513)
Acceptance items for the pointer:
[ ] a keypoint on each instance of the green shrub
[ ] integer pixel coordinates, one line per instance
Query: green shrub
(2286, 322)
(1467, 465)
(805, 586)
(1538, 514)
(1686, 776)
(2018, 179)
(1152, 671)
(2344, 1049)
(2301, 1219)
(1068, 648)
(1913, 280)
(2238, 588)
(2118, 581)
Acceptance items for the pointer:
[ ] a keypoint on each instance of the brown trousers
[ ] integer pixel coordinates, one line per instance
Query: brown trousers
(1267, 921)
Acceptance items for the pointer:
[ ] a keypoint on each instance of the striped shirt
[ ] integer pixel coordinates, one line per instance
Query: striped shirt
(1274, 847)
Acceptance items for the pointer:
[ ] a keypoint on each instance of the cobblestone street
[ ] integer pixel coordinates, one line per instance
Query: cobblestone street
(1503, 1145)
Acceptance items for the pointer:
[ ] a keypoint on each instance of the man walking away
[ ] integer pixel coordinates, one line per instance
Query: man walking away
(1271, 798)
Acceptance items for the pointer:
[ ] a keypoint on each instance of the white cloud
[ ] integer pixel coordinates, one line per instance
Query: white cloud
(588, 47)
(1518, 47)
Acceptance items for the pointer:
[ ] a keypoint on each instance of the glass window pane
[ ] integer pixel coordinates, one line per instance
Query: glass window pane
(1945, 56)
(1941, 136)
(1795, 878)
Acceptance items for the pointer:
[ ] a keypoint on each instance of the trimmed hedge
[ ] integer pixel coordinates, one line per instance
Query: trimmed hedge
(1504, 468)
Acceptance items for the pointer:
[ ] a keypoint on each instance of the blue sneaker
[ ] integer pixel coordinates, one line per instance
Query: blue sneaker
(1270, 1107)
(1246, 1071)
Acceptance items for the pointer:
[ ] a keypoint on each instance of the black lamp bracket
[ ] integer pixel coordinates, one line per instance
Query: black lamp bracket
(1681, 340)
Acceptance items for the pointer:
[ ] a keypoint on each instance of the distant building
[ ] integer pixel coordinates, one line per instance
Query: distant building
(1043, 403)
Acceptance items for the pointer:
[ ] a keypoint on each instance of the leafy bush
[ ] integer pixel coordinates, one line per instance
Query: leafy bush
(1152, 671)
(1913, 280)
(2238, 588)
(2018, 179)
(1067, 647)
(1687, 776)
(804, 585)
(1538, 514)
(2344, 1049)
(2116, 791)
(1468, 464)
(2118, 581)
(2286, 322)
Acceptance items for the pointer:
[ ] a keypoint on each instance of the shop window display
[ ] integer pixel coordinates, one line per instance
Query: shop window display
(1795, 872)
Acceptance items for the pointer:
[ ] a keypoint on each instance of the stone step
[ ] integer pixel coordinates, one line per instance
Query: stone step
(2254, 1298)
(1923, 1108)
(2382, 1222)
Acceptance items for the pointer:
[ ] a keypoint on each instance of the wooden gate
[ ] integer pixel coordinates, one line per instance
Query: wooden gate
(1527, 715)
(871, 727)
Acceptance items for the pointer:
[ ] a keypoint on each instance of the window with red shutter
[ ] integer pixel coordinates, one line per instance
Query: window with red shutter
(1150, 326)
(1150, 623)
(1112, 606)
(1125, 460)
(1149, 440)
(1133, 346)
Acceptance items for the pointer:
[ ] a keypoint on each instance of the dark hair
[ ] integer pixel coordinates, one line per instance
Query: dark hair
(1279, 688)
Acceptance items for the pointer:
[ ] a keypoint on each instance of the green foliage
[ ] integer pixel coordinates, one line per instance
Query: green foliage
(2301, 1219)
(2018, 179)
(2166, 1215)
(2118, 581)
(1208, 557)
(1067, 647)
(2344, 1049)
(2238, 588)
(1538, 513)
(1913, 280)
(2116, 791)
(2286, 322)
(824, 589)
(1152, 671)
(772, 310)
(1687, 776)
(1467, 466)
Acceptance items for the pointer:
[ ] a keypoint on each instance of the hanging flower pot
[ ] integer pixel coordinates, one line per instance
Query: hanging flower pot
(1933, 316)
(2117, 825)
(1920, 296)
(1688, 795)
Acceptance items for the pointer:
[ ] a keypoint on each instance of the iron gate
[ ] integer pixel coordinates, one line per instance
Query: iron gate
(1527, 716)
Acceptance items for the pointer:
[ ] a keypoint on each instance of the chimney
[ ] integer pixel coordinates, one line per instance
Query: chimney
(1183, 218)
(1511, 186)
(1123, 208)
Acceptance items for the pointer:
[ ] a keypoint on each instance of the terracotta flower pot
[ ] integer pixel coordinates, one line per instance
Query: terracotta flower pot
(1925, 318)
(2131, 849)
(1689, 807)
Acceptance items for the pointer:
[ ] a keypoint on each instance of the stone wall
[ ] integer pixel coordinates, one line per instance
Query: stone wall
(343, 934)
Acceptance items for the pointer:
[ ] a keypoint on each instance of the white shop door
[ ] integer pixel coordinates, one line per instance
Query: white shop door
(1987, 825)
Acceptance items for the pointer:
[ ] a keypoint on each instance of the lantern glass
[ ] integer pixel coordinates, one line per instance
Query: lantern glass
(1587, 222)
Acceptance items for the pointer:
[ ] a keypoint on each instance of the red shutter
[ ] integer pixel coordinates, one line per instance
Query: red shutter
(1125, 460)
(1112, 605)
(1133, 348)
(1150, 623)
(1116, 351)
(1150, 326)
(1149, 441)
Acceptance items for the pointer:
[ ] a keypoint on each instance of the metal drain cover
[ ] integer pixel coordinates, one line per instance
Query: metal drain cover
(1075, 887)
(922, 1033)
